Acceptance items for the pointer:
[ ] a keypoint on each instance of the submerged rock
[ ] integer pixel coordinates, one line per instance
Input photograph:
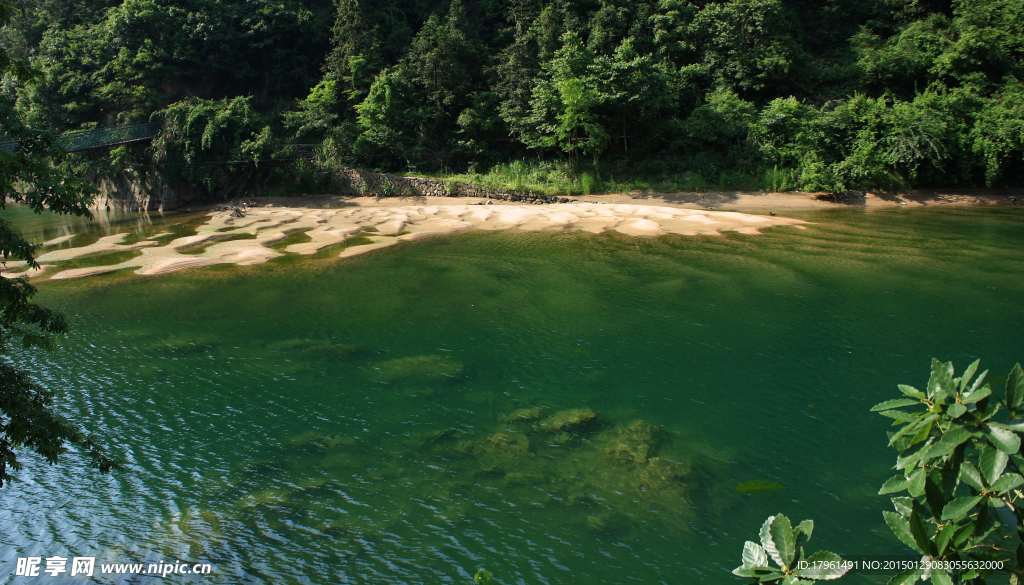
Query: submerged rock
(186, 344)
(432, 438)
(522, 415)
(568, 420)
(501, 452)
(523, 478)
(422, 368)
(312, 348)
(317, 440)
(633, 445)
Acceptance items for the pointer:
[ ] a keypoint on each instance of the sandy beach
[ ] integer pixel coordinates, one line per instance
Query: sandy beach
(387, 223)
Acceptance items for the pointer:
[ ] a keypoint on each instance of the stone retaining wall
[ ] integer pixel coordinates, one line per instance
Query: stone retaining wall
(151, 192)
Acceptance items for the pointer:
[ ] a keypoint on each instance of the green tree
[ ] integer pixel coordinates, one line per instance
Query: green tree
(28, 175)
(221, 147)
(998, 135)
(564, 104)
(749, 46)
(637, 87)
(388, 121)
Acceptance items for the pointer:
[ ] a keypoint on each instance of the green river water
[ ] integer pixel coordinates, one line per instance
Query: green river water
(347, 421)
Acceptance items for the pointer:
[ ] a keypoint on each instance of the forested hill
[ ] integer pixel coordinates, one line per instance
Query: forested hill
(820, 95)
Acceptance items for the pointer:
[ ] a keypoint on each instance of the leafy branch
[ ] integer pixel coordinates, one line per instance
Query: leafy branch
(959, 463)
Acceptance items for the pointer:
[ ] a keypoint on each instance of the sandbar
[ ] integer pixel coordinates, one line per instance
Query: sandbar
(387, 225)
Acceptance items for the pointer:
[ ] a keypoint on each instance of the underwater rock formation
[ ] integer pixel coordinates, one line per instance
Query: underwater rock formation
(568, 420)
(523, 415)
(420, 368)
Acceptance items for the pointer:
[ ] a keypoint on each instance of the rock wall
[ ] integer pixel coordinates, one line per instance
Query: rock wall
(150, 192)
(386, 185)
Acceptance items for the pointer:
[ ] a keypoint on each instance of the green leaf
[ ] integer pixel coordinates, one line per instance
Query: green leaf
(911, 391)
(940, 384)
(955, 436)
(943, 538)
(960, 507)
(1002, 512)
(924, 431)
(763, 574)
(823, 566)
(904, 505)
(781, 531)
(894, 484)
(768, 543)
(908, 577)
(915, 483)
(978, 382)
(971, 476)
(910, 427)
(1016, 424)
(962, 535)
(991, 463)
(940, 576)
(968, 374)
(754, 555)
(803, 534)
(956, 410)
(794, 580)
(933, 493)
(987, 413)
(899, 415)
(985, 522)
(1005, 440)
(1007, 482)
(912, 457)
(976, 395)
(951, 470)
(918, 528)
(1015, 387)
(894, 403)
(900, 526)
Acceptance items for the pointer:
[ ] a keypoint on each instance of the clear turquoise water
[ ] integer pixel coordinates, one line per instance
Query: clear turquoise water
(274, 424)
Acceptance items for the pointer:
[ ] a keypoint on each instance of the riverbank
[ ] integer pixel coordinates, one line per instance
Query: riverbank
(743, 201)
(259, 234)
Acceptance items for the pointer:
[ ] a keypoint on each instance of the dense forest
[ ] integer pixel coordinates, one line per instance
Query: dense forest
(828, 95)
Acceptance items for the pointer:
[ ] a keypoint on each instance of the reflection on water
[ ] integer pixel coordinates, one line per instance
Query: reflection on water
(557, 408)
(43, 227)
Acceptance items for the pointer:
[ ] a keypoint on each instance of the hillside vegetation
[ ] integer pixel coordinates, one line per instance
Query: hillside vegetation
(828, 95)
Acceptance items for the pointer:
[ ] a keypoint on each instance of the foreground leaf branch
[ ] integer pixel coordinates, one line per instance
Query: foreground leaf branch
(959, 467)
(32, 173)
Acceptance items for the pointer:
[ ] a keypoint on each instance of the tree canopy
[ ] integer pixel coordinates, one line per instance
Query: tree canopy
(839, 94)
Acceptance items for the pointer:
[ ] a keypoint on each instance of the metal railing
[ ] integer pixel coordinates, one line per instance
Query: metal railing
(86, 139)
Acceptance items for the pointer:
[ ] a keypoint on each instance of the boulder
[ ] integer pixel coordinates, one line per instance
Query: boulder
(568, 420)
(522, 415)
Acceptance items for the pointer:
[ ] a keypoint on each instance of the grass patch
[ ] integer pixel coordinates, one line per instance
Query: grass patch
(333, 250)
(297, 237)
(164, 240)
(200, 248)
(555, 178)
(656, 176)
(108, 259)
(328, 253)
